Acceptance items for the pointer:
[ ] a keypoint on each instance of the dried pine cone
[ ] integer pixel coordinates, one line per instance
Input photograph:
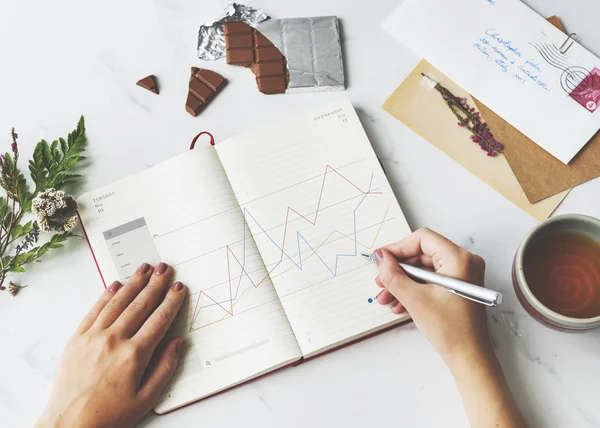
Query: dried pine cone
(56, 210)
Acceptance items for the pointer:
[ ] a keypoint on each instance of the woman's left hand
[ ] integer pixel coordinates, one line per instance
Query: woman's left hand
(109, 374)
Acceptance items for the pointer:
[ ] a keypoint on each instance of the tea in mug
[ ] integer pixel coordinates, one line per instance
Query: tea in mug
(562, 270)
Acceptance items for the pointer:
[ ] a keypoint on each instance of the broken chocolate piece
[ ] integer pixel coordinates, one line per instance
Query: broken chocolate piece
(249, 48)
(149, 83)
(204, 87)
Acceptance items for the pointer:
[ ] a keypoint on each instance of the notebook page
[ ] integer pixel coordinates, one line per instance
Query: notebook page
(314, 196)
(184, 213)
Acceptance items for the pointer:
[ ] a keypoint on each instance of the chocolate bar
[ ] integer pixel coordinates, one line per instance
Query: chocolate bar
(249, 48)
(313, 51)
(204, 86)
(149, 83)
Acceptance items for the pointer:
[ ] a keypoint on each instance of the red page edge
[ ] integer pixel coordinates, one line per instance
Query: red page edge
(293, 364)
(87, 239)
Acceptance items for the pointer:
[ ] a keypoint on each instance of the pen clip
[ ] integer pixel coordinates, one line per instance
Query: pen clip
(472, 298)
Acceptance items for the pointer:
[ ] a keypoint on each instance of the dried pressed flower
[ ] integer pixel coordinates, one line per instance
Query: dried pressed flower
(13, 288)
(471, 120)
(56, 210)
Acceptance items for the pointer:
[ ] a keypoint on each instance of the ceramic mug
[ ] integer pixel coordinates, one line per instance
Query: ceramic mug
(564, 223)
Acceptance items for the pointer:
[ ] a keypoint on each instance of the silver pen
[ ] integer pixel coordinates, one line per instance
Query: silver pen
(460, 288)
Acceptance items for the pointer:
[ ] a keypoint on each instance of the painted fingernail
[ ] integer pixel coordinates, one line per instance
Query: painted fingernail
(377, 256)
(178, 286)
(179, 347)
(143, 269)
(161, 268)
(114, 287)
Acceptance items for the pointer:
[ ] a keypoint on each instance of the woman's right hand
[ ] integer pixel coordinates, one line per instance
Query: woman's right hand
(457, 327)
(453, 325)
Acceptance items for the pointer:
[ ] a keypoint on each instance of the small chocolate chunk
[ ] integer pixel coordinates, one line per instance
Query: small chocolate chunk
(149, 83)
(249, 48)
(205, 85)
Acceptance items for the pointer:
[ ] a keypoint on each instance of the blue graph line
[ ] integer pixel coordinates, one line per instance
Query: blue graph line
(337, 257)
(299, 264)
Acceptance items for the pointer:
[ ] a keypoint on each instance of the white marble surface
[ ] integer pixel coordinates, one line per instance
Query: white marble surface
(62, 58)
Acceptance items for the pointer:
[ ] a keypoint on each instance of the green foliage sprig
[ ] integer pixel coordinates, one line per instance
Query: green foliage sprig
(52, 169)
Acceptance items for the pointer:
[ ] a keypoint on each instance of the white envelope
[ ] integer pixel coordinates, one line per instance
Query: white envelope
(512, 59)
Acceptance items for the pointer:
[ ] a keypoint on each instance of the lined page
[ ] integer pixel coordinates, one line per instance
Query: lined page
(184, 213)
(314, 196)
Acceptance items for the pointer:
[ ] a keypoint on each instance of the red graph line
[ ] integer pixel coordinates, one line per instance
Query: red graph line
(228, 250)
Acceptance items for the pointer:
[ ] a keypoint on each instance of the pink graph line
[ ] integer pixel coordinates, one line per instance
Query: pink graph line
(228, 250)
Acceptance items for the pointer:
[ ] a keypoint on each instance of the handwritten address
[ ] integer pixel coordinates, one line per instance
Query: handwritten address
(509, 59)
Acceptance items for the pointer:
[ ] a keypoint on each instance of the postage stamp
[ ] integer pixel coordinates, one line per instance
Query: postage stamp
(587, 92)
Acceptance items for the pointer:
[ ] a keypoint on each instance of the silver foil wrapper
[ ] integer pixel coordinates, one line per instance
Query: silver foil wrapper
(211, 36)
(313, 49)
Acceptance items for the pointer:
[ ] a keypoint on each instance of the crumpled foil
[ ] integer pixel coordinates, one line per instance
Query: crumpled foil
(313, 49)
(211, 36)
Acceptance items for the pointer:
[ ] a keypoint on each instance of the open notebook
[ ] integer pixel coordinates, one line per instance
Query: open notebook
(265, 229)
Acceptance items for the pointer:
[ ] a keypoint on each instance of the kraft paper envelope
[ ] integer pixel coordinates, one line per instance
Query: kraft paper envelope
(513, 61)
(423, 110)
(541, 175)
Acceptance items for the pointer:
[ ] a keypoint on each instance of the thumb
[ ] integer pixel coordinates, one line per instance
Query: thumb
(391, 275)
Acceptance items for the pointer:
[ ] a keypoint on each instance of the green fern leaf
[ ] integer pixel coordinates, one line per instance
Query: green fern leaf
(51, 163)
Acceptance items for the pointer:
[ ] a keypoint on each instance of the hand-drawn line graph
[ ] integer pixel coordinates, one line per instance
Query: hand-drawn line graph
(227, 305)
